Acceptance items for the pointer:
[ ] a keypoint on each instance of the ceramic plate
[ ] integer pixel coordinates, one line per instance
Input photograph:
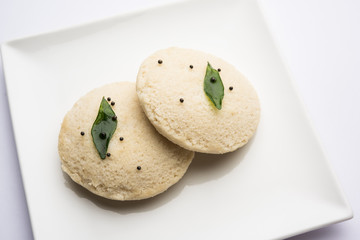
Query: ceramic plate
(278, 185)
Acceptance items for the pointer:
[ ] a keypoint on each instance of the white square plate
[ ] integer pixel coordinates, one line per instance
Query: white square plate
(277, 186)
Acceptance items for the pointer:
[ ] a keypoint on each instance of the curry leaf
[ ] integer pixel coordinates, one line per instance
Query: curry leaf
(103, 128)
(213, 86)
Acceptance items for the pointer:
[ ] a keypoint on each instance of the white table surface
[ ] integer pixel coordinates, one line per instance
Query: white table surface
(319, 40)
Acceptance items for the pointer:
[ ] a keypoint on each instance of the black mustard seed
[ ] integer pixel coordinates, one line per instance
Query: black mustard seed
(181, 100)
(231, 88)
(160, 61)
(138, 168)
(109, 99)
(82, 133)
(212, 79)
(102, 135)
(121, 139)
(112, 103)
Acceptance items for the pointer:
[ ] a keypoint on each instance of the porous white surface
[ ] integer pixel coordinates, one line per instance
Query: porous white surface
(196, 124)
(117, 177)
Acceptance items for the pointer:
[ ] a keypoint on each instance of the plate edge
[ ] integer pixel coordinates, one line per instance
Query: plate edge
(303, 107)
(6, 45)
(3, 49)
(347, 216)
(347, 207)
(126, 14)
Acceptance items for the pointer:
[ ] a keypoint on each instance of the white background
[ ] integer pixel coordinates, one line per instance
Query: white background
(318, 39)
